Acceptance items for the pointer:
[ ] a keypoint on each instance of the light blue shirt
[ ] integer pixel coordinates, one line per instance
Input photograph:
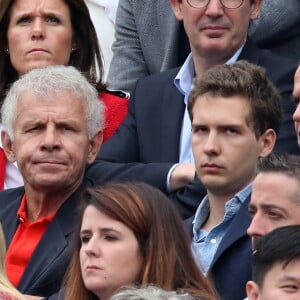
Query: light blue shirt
(205, 243)
(184, 83)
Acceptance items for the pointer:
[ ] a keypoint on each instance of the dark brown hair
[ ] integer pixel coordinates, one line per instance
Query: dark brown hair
(87, 57)
(249, 81)
(158, 228)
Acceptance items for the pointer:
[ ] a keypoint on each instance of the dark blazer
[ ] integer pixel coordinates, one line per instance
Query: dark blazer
(147, 143)
(46, 268)
(231, 266)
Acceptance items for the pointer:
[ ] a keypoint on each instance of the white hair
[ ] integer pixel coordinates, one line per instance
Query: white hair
(149, 293)
(49, 80)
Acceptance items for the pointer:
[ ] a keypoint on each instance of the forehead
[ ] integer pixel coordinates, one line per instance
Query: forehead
(282, 272)
(63, 105)
(92, 216)
(223, 109)
(275, 188)
(39, 6)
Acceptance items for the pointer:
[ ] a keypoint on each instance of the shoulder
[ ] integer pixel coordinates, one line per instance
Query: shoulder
(11, 195)
(156, 87)
(160, 78)
(277, 66)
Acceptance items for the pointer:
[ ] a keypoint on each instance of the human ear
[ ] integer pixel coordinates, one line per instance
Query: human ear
(8, 146)
(267, 142)
(176, 7)
(94, 146)
(252, 290)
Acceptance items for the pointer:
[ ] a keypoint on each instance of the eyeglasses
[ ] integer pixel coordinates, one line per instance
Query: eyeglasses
(232, 4)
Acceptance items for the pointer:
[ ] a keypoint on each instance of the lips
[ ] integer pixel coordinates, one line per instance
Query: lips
(211, 167)
(36, 50)
(50, 161)
(92, 268)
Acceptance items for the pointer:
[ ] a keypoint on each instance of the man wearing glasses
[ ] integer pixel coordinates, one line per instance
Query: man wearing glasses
(154, 142)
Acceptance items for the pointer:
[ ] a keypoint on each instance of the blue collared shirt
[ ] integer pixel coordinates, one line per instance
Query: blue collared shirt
(205, 244)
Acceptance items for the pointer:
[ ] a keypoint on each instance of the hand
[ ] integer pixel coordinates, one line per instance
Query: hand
(182, 175)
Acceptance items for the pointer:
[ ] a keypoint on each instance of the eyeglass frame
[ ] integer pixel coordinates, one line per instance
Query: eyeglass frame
(188, 1)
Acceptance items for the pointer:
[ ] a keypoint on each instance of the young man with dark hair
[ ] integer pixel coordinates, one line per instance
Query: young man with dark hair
(276, 266)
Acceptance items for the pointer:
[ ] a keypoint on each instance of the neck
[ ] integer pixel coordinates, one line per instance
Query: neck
(203, 64)
(41, 204)
(217, 209)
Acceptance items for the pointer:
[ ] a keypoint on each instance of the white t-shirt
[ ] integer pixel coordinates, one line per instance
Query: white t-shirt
(103, 14)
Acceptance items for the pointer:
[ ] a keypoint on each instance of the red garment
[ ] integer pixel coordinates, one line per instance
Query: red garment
(24, 242)
(116, 109)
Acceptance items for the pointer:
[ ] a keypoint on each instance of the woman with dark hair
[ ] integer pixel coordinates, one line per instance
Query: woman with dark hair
(130, 233)
(38, 33)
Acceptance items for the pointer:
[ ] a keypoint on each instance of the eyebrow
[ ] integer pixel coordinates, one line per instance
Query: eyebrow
(102, 229)
(290, 278)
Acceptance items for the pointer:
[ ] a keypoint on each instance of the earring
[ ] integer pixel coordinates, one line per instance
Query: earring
(6, 50)
(73, 49)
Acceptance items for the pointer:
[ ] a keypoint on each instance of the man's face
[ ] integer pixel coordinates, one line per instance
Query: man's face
(51, 143)
(274, 203)
(281, 282)
(214, 31)
(296, 94)
(224, 144)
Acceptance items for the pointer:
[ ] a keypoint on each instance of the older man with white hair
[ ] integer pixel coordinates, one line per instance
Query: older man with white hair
(53, 121)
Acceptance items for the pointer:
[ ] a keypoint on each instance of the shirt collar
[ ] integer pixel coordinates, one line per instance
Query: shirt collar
(203, 209)
(22, 213)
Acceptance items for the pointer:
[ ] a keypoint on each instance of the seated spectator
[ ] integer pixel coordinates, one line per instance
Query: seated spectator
(124, 237)
(52, 120)
(276, 266)
(7, 290)
(235, 114)
(275, 195)
(153, 144)
(149, 39)
(32, 44)
(150, 292)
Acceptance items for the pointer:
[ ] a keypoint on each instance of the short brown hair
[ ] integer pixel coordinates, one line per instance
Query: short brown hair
(249, 81)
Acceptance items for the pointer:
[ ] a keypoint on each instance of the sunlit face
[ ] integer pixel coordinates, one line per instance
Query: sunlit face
(215, 31)
(275, 202)
(224, 144)
(51, 143)
(109, 256)
(281, 282)
(39, 34)
(296, 94)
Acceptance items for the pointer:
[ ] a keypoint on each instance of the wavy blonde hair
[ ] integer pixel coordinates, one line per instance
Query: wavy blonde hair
(5, 286)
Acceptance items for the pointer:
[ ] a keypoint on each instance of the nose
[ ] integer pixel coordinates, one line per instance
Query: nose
(257, 227)
(50, 140)
(296, 115)
(37, 32)
(211, 146)
(214, 9)
(92, 248)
